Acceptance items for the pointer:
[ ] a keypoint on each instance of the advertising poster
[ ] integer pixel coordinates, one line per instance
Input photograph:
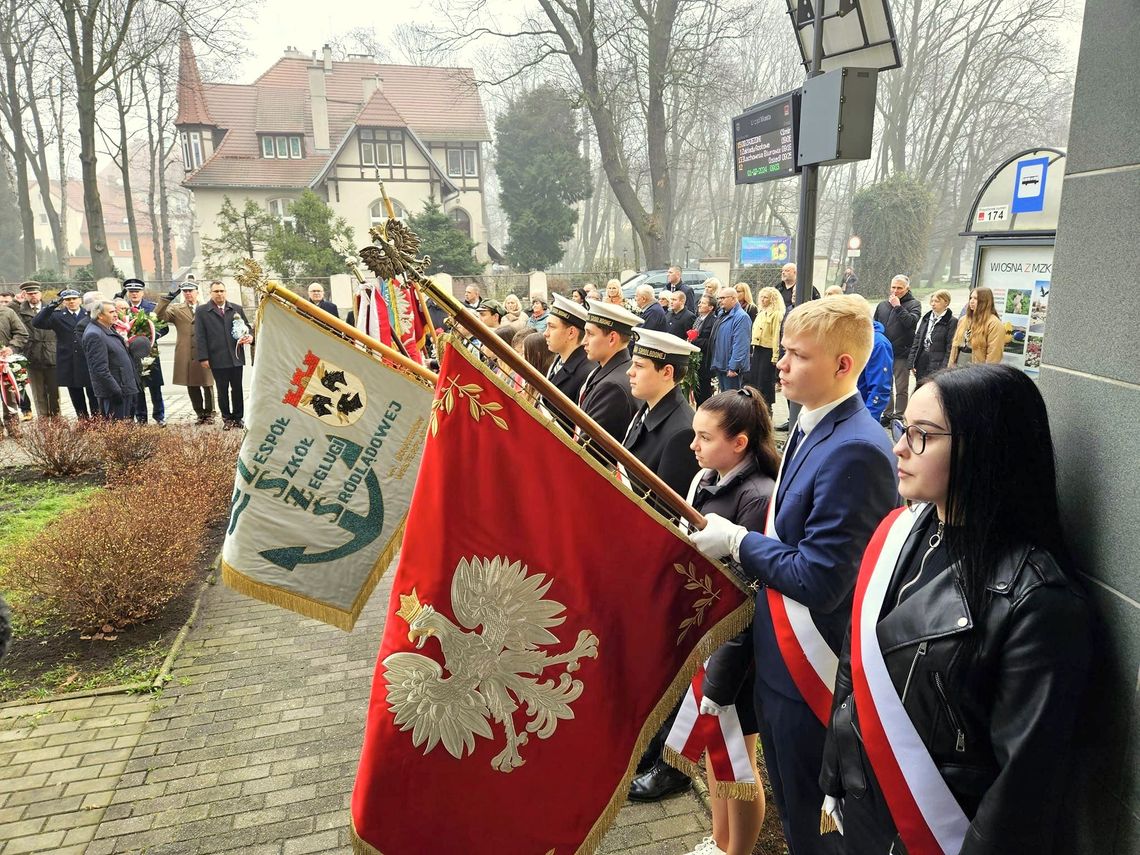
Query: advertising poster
(765, 249)
(1020, 278)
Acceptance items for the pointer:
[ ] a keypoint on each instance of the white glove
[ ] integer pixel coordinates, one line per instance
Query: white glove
(832, 808)
(709, 707)
(718, 538)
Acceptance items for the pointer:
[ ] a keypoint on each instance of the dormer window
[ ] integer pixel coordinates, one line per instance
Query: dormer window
(281, 147)
(192, 149)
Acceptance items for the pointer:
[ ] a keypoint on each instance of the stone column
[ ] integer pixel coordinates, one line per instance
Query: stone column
(1090, 378)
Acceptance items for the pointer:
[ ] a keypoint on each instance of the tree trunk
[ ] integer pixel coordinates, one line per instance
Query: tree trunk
(125, 171)
(63, 251)
(152, 158)
(163, 152)
(19, 153)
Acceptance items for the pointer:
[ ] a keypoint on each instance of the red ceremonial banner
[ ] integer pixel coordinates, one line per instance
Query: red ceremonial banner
(542, 623)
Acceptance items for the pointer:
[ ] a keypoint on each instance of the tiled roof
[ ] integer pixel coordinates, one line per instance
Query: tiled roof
(279, 110)
(192, 107)
(379, 112)
(438, 104)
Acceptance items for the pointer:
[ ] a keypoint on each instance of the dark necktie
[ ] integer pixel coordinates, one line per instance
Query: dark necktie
(793, 443)
(221, 310)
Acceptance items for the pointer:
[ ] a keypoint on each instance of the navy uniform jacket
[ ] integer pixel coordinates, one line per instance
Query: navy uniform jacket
(215, 336)
(606, 397)
(70, 363)
(660, 438)
(112, 369)
(833, 494)
(568, 376)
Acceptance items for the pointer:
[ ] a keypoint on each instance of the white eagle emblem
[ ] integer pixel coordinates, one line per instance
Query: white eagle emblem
(493, 673)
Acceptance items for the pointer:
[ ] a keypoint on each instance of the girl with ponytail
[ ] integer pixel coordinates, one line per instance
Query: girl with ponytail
(733, 444)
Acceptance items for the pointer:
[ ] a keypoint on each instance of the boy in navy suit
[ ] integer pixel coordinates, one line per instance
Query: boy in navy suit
(836, 483)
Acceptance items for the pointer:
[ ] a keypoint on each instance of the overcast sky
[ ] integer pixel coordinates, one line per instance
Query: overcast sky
(307, 25)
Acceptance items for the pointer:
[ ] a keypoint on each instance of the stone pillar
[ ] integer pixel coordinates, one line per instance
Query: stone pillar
(720, 267)
(340, 291)
(538, 285)
(1090, 377)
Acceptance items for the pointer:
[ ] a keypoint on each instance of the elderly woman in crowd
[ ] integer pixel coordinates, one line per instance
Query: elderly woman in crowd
(933, 338)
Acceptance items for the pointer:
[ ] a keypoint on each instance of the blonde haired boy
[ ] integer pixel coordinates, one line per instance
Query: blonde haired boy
(836, 483)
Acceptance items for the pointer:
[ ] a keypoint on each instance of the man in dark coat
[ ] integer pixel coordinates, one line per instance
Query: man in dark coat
(317, 297)
(68, 321)
(133, 288)
(605, 396)
(564, 331)
(112, 369)
(41, 353)
(708, 316)
(673, 284)
(899, 315)
(222, 352)
(679, 320)
(652, 315)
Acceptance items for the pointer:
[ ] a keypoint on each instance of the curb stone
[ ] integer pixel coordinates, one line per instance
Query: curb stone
(161, 679)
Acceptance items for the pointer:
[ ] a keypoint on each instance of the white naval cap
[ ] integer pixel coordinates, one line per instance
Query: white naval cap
(611, 316)
(569, 311)
(663, 346)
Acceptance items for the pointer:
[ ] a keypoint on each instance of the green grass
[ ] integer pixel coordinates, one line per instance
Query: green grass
(28, 507)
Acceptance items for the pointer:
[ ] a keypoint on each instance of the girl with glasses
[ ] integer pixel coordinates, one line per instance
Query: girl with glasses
(961, 677)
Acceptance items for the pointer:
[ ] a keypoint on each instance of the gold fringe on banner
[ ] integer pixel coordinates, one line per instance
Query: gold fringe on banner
(744, 792)
(310, 608)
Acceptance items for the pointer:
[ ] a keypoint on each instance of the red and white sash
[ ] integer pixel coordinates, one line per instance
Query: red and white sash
(807, 656)
(926, 814)
(720, 736)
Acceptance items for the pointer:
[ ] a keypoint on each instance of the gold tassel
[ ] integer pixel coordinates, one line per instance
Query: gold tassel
(741, 791)
(827, 823)
(680, 761)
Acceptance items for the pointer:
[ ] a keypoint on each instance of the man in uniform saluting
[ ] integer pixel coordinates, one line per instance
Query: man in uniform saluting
(605, 395)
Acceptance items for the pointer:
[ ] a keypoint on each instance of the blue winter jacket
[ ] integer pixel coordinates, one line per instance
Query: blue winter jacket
(733, 340)
(875, 381)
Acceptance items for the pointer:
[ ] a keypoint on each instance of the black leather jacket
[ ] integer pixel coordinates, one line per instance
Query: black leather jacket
(994, 696)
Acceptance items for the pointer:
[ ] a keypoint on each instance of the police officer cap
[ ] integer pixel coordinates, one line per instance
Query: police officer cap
(569, 311)
(68, 293)
(133, 285)
(189, 285)
(663, 346)
(492, 306)
(610, 316)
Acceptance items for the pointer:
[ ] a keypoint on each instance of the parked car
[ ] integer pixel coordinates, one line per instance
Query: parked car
(657, 278)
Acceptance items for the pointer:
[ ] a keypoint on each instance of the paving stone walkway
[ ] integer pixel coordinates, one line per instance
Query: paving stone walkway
(251, 748)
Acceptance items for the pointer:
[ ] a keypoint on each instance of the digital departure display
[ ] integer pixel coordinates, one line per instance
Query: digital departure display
(764, 140)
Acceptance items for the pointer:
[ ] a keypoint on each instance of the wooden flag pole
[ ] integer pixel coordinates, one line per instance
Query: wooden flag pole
(505, 353)
(319, 314)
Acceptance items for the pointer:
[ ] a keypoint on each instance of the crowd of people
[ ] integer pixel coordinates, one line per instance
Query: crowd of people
(913, 674)
(104, 350)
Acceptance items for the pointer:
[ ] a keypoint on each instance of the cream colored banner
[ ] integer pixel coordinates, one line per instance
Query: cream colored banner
(326, 471)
